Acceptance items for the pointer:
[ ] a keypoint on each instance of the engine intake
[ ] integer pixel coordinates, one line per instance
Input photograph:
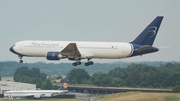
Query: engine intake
(54, 56)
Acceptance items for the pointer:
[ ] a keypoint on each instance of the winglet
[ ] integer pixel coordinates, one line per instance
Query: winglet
(148, 35)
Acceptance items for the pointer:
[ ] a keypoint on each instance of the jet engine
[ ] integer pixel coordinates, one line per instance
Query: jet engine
(54, 56)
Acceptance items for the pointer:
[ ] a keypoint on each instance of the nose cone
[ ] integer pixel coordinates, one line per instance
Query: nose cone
(12, 50)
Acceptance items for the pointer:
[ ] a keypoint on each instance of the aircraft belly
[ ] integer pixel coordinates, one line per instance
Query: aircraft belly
(115, 54)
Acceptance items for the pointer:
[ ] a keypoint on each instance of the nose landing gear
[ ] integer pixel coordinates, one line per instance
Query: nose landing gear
(20, 57)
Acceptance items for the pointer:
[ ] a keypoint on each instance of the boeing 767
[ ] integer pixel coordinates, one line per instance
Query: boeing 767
(78, 50)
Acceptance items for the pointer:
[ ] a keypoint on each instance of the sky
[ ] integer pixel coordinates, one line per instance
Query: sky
(89, 20)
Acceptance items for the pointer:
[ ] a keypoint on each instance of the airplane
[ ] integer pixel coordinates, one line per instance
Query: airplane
(78, 50)
(37, 94)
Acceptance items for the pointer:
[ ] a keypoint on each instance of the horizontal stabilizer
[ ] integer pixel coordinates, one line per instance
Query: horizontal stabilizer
(144, 48)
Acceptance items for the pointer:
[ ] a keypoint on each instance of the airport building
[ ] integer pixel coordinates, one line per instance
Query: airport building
(9, 85)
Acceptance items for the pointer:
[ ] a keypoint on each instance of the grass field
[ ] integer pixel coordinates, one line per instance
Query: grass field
(43, 99)
(129, 96)
(139, 96)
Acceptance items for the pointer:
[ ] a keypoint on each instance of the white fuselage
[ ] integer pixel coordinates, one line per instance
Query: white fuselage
(33, 93)
(77, 50)
(101, 50)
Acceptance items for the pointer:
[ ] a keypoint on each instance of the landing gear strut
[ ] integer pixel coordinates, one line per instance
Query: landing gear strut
(89, 63)
(20, 57)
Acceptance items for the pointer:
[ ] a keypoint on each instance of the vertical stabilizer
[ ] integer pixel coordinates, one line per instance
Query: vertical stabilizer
(64, 85)
(148, 35)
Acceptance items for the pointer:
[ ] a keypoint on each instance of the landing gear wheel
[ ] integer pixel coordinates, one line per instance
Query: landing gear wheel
(20, 61)
(78, 63)
(86, 64)
(90, 62)
(20, 57)
(74, 64)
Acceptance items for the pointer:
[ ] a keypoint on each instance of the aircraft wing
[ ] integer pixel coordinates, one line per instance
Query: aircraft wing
(59, 92)
(34, 95)
(29, 96)
(71, 51)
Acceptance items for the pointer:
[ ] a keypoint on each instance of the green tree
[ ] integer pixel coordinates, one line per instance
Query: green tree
(43, 76)
(20, 72)
(79, 76)
(176, 89)
(47, 85)
(143, 84)
(106, 80)
(119, 73)
(39, 83)
(117, 82)
(33, 76)
(156, 85)
(133, 78)
(178, 83)
(97, 77)
(35, 72)
(31, 73)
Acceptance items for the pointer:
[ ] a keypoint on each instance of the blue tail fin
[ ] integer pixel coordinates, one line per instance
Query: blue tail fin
(148, 35)
(64, 85)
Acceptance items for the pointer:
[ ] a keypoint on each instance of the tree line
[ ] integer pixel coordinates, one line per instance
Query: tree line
(135, 75)
(7, 68)
(33, 76)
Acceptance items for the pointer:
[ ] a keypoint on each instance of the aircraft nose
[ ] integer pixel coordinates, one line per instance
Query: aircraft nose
(12, 50)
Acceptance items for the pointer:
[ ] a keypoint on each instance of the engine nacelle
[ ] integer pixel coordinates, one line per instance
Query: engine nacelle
(54, 56)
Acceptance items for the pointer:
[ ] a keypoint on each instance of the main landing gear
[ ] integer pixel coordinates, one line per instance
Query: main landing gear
(86, 63)
(76, 63)
(89, 63)
(20, 57)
